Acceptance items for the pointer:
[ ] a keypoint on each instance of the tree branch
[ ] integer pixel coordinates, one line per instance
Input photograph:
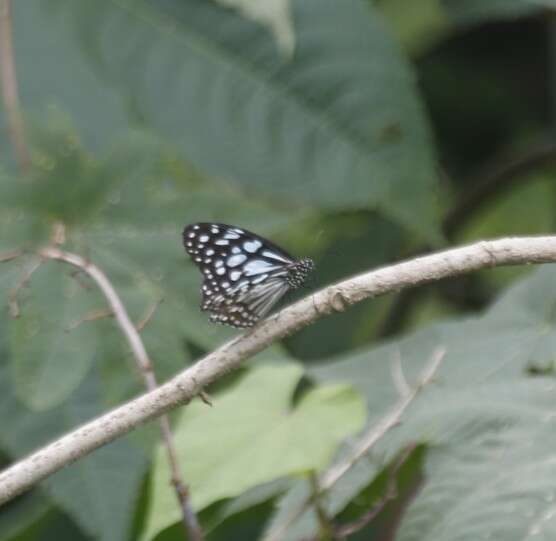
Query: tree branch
(10, 256)
(496, 178)
(13, 305)
(142, 360)
(337, 297)
(9, 88)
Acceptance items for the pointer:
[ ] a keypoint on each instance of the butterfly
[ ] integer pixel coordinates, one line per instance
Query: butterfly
(244, 275)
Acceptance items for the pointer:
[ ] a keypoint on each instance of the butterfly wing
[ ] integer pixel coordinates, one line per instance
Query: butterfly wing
(244, 274)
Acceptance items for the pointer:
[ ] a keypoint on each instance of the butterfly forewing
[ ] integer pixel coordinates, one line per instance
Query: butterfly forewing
(244, 274)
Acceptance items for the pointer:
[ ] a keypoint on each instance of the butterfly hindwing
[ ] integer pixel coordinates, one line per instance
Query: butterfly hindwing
(244, 275)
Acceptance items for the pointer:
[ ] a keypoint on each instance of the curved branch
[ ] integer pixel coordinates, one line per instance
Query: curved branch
(337, 297)
(142, 360)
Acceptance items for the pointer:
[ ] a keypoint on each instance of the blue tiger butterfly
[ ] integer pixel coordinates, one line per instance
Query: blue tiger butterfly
(244, 275)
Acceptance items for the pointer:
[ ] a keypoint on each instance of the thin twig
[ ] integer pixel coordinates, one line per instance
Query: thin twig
(9, 88)
(497, 177)
(376, 433)
(10, 256)
(373, 435)
(58, 235)
(342, 532)
(316, 499)
(148, 316)
(187, 384)
(13, 305)
(205, 397)
(93, 316)
(189, 518)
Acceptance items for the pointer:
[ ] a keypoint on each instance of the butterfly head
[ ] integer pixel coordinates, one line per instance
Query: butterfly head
(298, 271)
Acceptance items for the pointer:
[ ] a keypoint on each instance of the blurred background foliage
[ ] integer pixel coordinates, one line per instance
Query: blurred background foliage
(355, 132)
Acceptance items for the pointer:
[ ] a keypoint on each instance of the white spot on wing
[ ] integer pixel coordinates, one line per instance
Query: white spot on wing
(220, 271)
(203, 238)
(252, 246)
(260, 278)
(257, 266)
(234, 275)
(235, 260)
(231, 235)
(274, 255)
(221, 242)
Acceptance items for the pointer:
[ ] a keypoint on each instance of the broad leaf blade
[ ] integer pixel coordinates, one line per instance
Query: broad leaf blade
(339, 125)
(252, 436)
(486, 421)
(49, 357)
(98, 491)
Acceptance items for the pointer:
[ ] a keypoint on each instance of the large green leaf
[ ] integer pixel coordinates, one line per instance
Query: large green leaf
(49, 360)
(98, 491)
(51, 73)
(338, 125)
(253, 435)
(491, 464)
(487, 422)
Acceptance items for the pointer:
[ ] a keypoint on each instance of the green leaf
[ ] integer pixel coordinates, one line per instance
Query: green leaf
(339, 125)
(98, 491)
(417, 25)
(49, 357)
(251, 436)
(491, 464)
(488, 423)
(51, 73)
